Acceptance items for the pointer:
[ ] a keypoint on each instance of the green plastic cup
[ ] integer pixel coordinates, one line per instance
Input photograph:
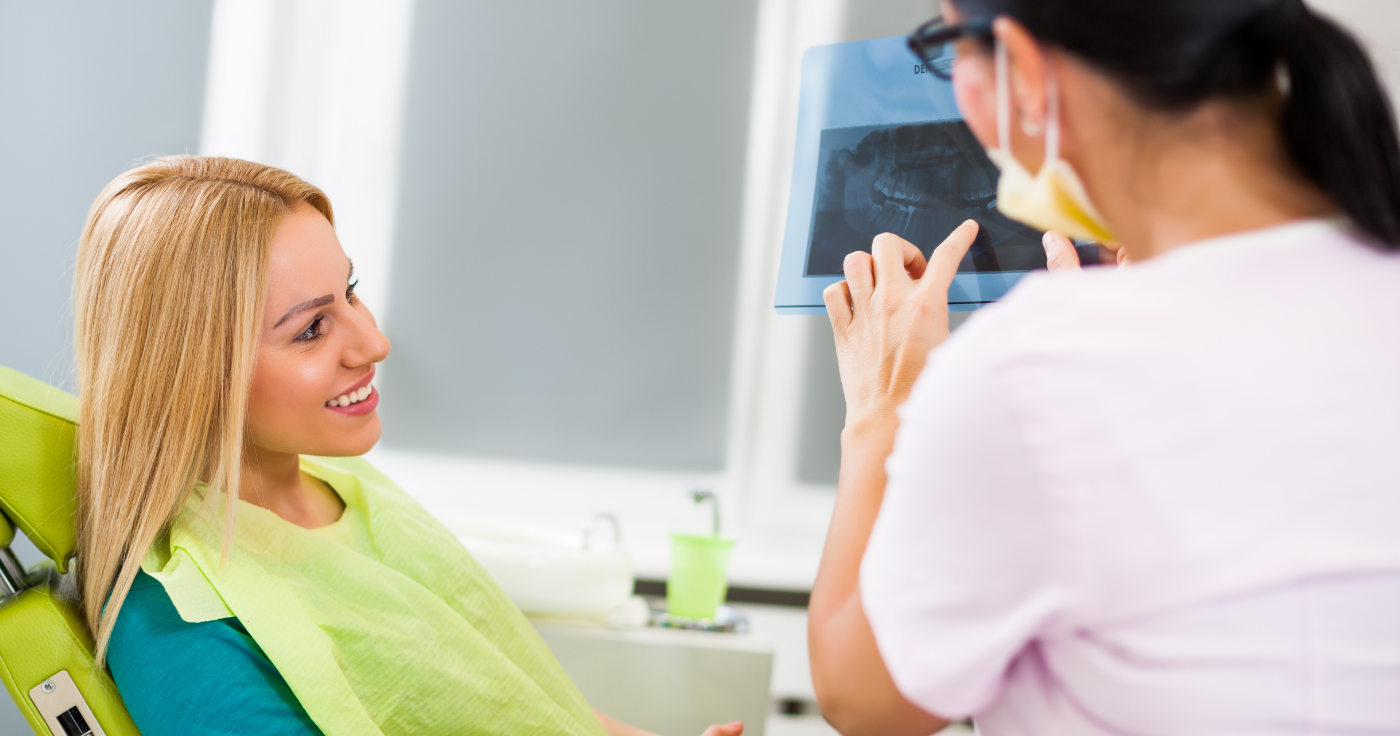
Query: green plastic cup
(699, 581)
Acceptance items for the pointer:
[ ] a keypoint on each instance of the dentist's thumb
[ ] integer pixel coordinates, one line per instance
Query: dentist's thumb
(1060, 254)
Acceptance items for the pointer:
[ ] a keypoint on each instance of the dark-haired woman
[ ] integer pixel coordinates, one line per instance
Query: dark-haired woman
(1156, 499)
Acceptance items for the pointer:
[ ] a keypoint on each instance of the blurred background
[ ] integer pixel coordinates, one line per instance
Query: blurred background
(565, 213)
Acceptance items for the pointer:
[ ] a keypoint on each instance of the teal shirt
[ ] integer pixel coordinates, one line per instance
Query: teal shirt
(206, 678)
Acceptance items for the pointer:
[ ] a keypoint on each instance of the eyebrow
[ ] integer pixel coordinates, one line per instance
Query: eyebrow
(319, 301)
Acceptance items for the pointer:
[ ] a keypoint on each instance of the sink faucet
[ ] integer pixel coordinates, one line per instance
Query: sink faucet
(701, 495)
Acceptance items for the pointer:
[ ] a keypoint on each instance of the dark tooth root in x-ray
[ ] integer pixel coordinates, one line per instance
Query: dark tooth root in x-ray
(918, 181)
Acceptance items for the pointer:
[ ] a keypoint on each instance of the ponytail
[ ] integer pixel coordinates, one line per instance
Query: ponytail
(1337, 123)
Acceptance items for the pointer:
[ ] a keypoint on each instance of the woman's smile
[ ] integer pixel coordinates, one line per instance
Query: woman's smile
(357, 400)
(360, 407)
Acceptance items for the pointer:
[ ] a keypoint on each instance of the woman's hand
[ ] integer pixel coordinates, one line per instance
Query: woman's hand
(891, 310)
(728, 729)
(1060, 254)
(888, 314)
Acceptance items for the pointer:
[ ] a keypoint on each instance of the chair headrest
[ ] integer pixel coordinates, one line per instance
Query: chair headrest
(38, 432)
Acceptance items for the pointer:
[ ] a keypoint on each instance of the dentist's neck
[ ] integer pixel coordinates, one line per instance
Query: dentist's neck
(1169, 179)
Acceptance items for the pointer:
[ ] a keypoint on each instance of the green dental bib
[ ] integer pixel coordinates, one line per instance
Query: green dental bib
(380, 623)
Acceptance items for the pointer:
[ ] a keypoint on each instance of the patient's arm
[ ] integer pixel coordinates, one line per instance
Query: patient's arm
(615, 727)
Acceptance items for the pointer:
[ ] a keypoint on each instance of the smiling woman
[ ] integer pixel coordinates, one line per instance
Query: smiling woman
(311, 390)
(221, 349)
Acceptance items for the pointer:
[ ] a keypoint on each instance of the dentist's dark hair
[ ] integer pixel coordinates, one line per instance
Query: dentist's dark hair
(1337, 123)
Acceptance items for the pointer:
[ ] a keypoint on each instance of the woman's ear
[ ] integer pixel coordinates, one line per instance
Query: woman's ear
(1028, 66)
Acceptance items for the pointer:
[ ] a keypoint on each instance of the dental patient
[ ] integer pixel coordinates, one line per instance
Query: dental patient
(242, 569)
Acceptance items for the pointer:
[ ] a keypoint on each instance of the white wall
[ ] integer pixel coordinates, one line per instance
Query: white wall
(86, 89)
(1377, 23)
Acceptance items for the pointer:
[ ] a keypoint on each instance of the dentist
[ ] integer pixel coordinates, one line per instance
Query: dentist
(1158, 499)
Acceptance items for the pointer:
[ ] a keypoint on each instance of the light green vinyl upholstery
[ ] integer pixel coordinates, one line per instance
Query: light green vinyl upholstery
(7, 531)
(38, 426)
(41, 629)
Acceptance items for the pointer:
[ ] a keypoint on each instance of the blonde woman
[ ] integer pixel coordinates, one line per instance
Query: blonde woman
(236, 584)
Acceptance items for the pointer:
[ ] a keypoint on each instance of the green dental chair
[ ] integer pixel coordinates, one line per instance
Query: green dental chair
(46, 651)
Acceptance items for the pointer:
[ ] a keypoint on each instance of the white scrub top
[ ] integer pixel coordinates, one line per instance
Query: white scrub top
(1162, 499)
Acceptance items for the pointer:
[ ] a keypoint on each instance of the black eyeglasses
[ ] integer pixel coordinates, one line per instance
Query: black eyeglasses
(933, 41)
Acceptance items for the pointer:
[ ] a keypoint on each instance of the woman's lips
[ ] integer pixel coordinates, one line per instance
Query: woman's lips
(359, 408)
(360, 383)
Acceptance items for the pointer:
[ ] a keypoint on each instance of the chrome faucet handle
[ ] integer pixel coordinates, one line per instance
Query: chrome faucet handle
(701, 495)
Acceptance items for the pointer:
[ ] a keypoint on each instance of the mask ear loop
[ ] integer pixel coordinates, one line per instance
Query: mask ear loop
(1003, 100)
(1052, 88)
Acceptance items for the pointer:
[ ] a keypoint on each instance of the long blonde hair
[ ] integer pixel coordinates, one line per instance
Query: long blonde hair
(169, 288)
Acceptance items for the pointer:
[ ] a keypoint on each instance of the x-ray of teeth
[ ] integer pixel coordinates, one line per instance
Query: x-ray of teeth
(881, 147)
(918, 181)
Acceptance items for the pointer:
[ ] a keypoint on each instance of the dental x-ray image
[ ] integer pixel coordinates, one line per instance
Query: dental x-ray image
(918, 181)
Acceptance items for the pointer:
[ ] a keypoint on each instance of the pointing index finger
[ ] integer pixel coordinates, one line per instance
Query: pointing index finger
(943, 264)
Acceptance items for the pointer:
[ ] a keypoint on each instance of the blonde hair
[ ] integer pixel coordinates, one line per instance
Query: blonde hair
(169, 288)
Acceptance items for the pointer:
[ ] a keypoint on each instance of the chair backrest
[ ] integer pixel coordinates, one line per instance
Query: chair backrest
(7, 531)
(41, 630)
(38, 431)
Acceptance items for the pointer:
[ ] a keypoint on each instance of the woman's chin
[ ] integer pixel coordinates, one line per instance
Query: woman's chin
(350, 444)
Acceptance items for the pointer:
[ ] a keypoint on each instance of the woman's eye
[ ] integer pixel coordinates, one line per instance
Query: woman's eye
(350, 292)
(311, 332)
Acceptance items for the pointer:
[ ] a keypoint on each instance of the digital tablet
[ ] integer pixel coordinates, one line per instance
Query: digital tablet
(881, 148)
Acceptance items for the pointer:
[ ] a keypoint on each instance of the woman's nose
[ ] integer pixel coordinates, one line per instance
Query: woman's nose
(378, 345)
(370, 345)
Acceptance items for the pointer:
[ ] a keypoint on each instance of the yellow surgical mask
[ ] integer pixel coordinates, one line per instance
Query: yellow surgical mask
(1053, 199)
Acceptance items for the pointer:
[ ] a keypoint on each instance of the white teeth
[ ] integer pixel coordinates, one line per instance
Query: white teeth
(354, 397)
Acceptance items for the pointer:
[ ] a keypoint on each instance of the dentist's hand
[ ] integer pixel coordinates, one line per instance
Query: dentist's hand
(887, 315)
(1060, 254)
